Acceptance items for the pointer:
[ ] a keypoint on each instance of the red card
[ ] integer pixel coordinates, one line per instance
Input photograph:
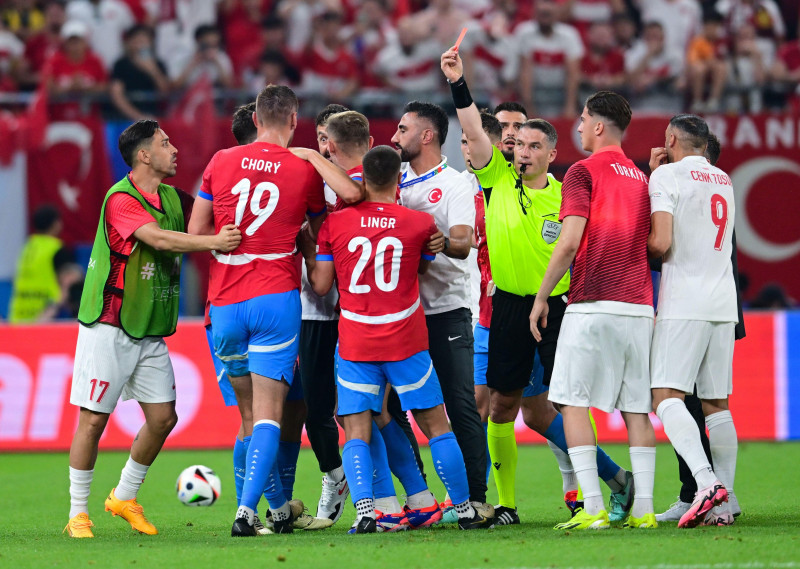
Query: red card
(460, 37)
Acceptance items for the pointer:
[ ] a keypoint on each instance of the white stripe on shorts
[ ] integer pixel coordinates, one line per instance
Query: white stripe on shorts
(400, 389)
(360, 387)
(382, 319)
(272, 348)
(232, 358)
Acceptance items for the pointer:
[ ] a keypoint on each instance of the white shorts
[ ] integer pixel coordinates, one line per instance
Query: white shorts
(110, 364)
(603, 361)
(686, 352)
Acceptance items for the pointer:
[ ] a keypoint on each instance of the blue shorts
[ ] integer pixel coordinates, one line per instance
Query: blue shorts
(360, 386)
(259, 335)
(535, 385)
(296, 386)
(225, 387)
(481, 363)
(481, 358)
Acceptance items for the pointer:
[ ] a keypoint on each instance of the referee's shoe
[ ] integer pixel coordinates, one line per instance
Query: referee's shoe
(505, 516)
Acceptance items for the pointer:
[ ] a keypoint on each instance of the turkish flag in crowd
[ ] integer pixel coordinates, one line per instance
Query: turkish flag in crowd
(70, 169)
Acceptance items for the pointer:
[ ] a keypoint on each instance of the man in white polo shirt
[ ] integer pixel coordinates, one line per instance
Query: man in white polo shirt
(430, 185)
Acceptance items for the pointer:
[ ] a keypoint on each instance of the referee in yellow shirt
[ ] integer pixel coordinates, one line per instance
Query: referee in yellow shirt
(522, 203)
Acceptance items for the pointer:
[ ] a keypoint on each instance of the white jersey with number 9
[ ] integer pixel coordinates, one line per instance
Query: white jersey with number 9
(697, 276)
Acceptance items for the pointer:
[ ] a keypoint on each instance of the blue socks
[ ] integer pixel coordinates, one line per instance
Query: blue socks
(382, 483)
(288, 452)
(262, 468)
(555, 433)
(402, 461)
(239, 465)
(449, 463)
(606, 467)
(357, 464)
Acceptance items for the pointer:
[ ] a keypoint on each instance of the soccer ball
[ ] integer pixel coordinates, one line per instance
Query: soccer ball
(198, 485)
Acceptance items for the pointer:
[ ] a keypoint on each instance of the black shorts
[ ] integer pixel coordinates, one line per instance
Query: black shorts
(512, 347)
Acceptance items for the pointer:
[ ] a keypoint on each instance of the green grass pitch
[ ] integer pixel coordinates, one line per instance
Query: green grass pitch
(35, 501)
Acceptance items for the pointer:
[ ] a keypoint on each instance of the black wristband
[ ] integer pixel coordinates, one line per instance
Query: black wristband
(460, 92)
(446, 244)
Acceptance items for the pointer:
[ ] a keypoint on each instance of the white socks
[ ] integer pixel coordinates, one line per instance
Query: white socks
(246, 513)
(365, 508)
(388, 505)
(569, 482)
(79, 484)
(685, 437)
(643, 466)
(464, 510)
(584, 462)
(422, 499)
(724, 445)
(282, 513)
(336, 475)
(132, 477)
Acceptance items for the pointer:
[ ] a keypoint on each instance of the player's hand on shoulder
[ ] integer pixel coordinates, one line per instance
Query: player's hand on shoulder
(452, 66)
(436, 243)
(658, 156)
(228, 238)
(301, 153)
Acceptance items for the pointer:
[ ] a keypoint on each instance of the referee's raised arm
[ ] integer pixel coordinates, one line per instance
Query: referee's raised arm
(480, 147)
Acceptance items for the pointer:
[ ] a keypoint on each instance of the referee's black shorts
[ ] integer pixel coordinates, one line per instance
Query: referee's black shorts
(512, 347)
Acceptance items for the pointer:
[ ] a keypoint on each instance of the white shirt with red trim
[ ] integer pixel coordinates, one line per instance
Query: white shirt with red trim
(549, 53)
(414, 71)
(444, 195)
(697, 274)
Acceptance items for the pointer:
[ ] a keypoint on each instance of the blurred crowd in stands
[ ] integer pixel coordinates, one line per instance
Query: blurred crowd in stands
(126, 58)
(666, 55)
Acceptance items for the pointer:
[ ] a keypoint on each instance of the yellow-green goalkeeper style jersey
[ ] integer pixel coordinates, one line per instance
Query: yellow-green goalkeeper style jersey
(520, 245)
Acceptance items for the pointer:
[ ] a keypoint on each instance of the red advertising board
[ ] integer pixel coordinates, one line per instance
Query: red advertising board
(36, 371)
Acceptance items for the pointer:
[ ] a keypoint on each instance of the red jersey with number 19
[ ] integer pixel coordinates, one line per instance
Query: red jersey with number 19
(266, 191)
(376, 250)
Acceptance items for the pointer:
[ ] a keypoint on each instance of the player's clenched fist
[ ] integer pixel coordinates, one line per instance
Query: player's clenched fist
(228, 238)
(452, 66)
(436, 242)
(658, 156)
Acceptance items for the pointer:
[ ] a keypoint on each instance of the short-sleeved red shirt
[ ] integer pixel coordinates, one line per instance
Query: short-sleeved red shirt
(376, 250)
(62, 71)
(267, 191)
(611, 263)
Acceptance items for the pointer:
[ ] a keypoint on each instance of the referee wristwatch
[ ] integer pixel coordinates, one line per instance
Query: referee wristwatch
(446, 244)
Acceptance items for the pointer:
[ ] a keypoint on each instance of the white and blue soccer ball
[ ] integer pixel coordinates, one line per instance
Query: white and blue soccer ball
(198, 485)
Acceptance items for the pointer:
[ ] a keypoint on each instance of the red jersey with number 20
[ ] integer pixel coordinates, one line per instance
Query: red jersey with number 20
(376, 250)
(266, 191)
